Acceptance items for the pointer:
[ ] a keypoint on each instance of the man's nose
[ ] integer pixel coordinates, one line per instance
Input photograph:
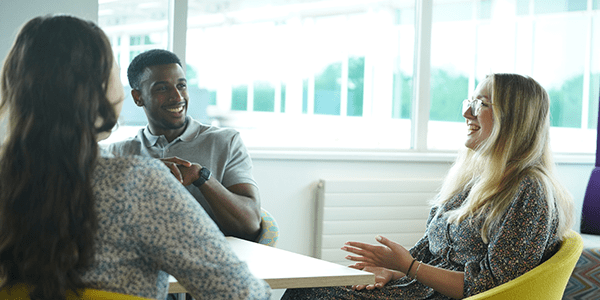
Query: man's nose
(176, 95)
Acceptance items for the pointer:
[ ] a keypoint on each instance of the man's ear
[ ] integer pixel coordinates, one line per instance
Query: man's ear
(137, 97)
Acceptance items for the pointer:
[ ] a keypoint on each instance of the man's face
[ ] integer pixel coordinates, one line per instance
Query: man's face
(164, 97)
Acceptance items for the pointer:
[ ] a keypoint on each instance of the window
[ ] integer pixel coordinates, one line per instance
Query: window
(133, 27)
(551, 41)
(322, 74)
(339, 74)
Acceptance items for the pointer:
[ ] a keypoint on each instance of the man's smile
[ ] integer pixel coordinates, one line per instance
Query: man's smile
(175, 109)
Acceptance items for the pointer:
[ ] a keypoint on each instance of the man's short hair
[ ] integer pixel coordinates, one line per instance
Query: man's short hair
(147, 59)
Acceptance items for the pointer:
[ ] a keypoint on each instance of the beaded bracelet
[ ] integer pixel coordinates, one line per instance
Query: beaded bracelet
(417, 271)
(411, 264)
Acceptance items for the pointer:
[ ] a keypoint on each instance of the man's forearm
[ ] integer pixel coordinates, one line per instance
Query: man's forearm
(236, 209)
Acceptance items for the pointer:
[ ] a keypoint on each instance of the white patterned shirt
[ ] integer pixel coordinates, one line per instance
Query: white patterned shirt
(149, 227)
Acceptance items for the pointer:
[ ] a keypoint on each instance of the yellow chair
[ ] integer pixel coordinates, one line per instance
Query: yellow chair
(546, 281)
(21, 292)
(92, 294)
(269, 233)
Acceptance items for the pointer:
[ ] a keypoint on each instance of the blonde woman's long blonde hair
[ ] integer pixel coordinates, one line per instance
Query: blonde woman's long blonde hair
(518, 146)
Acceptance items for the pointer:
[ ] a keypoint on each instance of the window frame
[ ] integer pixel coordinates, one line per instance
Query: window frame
(176, 35)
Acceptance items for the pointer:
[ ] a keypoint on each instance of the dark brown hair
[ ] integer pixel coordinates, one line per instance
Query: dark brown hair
(147, 59)
(53, 90)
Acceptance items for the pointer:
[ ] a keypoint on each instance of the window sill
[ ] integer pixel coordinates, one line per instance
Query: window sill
(392, 156)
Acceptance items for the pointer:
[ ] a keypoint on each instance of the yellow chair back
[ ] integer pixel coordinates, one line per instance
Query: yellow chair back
(546, 281)
(21, 292)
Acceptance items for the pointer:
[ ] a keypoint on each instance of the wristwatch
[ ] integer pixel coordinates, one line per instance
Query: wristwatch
(204, 176)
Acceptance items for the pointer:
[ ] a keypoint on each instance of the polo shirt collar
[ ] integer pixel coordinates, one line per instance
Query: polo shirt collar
(188, 134)
(191, 130)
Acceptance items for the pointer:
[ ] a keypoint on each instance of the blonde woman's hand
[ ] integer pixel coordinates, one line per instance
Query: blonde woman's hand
(382, 276)
(389, 255)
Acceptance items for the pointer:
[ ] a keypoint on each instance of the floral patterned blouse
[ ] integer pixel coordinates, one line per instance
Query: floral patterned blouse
(522, 241)
(150, 227)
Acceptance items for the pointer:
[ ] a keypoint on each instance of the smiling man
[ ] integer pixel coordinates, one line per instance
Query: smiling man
(211, 162)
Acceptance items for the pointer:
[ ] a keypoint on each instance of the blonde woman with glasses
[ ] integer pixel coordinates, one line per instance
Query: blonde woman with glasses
(500, 213)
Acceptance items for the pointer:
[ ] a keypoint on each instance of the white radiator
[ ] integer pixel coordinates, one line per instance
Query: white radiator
(359, 210)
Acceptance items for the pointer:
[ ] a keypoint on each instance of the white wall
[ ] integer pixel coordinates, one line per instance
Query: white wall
(14, 13)
(288, 187)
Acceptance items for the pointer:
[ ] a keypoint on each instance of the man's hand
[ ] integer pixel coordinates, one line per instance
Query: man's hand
(189, 174)
(185, 171)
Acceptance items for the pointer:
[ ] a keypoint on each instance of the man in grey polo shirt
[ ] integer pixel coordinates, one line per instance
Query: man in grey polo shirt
(211, 162)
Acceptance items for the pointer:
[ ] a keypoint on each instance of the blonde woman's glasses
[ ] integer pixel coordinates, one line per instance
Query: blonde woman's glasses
(475, 106)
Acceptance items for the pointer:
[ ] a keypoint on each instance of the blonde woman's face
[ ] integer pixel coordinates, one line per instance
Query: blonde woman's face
(479, 127)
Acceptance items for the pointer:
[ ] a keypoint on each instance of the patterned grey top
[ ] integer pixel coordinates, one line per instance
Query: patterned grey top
(522, 241)
(149, 227)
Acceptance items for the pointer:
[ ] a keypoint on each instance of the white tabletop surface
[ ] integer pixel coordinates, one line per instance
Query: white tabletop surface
(283, 269)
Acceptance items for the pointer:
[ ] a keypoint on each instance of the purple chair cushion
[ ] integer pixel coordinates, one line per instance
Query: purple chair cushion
(590, 214)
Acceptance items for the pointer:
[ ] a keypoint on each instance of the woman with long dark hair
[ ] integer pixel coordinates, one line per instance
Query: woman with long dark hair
(72, 217)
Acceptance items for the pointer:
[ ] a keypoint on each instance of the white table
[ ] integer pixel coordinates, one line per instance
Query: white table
(284, 269)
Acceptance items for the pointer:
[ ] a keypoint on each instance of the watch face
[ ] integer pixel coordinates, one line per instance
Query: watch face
(204, 176)
(205, 173)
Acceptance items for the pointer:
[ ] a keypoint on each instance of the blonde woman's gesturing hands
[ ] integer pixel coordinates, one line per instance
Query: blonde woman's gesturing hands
(389, 254)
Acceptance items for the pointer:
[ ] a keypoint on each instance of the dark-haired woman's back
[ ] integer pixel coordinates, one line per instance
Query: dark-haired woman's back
(71, 218)
(150, 225)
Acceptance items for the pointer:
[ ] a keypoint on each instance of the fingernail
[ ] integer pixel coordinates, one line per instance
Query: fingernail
(379, 238)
